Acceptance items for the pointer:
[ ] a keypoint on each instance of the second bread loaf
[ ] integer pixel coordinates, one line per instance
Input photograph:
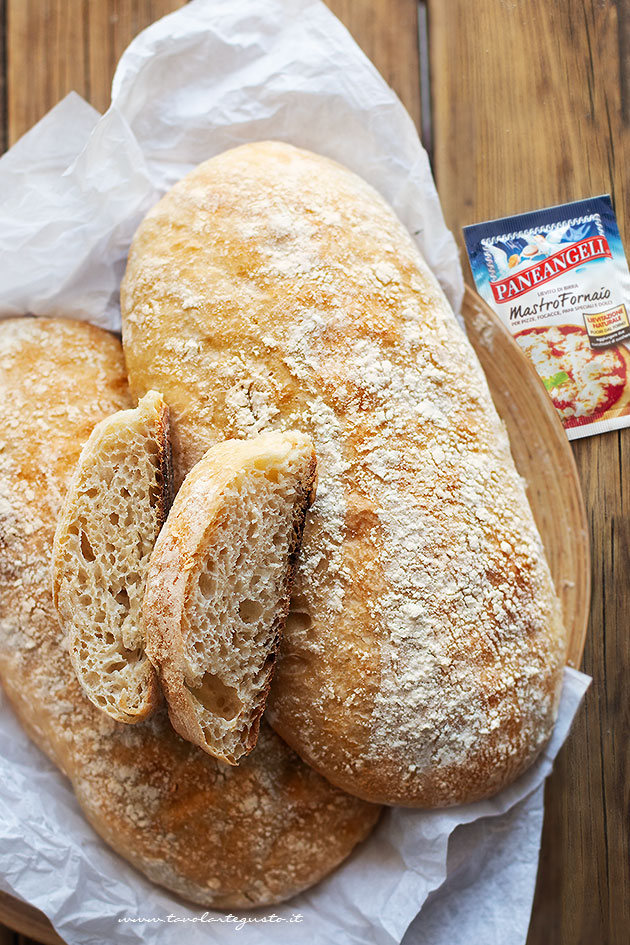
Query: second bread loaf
(221, 836)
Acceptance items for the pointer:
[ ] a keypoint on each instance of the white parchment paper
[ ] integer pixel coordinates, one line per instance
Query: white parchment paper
(215, 74)
(49, 856)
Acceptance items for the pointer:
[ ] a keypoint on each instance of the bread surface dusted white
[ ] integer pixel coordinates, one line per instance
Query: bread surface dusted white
(422, 658)
(219, 583)
(117, 502)
(219, 835)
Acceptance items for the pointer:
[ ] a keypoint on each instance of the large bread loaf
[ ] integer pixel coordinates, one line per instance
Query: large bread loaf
(218, 835)
(273, 289)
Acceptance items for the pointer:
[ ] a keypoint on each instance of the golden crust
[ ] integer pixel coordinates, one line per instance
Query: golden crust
(217, 835)
(422, 659)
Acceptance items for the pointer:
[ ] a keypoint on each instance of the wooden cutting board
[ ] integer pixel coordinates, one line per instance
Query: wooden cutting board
(543, 457)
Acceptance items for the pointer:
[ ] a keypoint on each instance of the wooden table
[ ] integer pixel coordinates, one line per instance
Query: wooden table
(521, 103)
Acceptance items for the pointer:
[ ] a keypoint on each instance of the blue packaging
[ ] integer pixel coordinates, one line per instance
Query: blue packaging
(558, 279)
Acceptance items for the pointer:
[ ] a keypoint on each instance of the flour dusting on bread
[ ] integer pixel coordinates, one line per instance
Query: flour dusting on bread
(423, 653)
(222, 836)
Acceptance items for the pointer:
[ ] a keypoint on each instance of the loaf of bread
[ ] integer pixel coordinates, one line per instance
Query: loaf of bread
(218, 835)
(219, 584)
(115, 506)
(422, 656)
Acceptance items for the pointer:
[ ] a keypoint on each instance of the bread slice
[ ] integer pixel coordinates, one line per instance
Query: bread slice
(219, 585)
(117, 502)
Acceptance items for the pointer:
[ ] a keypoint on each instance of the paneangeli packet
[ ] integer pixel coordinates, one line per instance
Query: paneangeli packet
(558, 278)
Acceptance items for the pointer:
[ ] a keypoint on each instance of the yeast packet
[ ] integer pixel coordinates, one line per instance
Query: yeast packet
(558, 279)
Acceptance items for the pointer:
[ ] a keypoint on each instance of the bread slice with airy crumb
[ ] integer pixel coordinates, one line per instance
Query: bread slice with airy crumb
(219, 584)
(117, 502)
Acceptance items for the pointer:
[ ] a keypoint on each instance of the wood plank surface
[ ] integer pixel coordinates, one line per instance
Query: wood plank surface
(58, 46)
(540, 114)
(28, 922)
(4, 143)
(531, 106)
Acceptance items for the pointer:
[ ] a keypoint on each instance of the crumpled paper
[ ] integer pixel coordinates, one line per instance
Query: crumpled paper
(50, 857)
(215, 74)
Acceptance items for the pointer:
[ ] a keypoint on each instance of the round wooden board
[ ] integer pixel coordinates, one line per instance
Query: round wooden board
(622, 406)
(543, 457)
(27, 921)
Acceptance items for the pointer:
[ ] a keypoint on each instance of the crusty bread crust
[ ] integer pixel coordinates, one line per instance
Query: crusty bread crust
(116, 504)
(422, 658)
(217, 835)
(231, 477)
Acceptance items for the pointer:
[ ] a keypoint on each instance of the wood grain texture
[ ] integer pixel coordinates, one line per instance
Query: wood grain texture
(387, 32)
(531, 105)
(540, 114)
(58, 46)
(27, 922)
(4, 143)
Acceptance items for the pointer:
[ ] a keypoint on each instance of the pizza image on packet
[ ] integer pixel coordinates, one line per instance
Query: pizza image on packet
(558, 279)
